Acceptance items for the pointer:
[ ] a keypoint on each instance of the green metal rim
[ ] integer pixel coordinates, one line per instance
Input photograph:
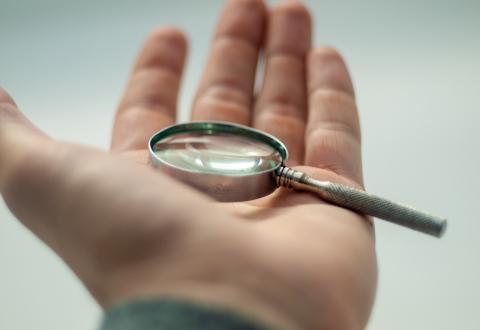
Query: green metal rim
(220, 127)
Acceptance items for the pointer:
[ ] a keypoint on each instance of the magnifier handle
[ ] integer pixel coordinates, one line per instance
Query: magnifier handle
(363, 202)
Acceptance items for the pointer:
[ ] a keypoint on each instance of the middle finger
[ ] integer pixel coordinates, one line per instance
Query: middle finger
(226, 87)
(281, 105)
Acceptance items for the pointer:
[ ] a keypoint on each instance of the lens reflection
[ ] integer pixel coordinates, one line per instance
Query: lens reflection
(217, 153)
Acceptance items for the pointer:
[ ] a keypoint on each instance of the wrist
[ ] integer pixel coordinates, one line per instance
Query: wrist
(230, 278)
(249, 279)
(215, 296)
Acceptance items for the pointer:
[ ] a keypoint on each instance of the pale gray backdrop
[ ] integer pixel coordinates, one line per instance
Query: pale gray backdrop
(416, 70)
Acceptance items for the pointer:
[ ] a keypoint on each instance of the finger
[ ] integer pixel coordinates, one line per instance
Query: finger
(226, 87)
(281, 105)
(150, 100)
(333, 130)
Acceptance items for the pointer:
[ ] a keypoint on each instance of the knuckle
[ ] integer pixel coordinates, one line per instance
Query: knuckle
(214, 108)
(331, 149)
(230, 44)
(282, 106)
(335, 107)
(326, 143)
(336, 126)
(229, 91)
(151, 87)
(332, 96)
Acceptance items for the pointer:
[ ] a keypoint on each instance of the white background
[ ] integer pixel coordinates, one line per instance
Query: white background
(417, 75)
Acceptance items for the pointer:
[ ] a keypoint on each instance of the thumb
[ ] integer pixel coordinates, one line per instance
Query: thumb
(12, 118)
(17, 136)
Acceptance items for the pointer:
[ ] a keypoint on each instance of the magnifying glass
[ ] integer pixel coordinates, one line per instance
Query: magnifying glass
(232, 162)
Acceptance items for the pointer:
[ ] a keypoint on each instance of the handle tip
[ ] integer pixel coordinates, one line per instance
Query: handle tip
(443, 228)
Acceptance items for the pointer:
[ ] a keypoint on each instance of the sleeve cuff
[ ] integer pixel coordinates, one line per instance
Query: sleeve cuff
(174, 315)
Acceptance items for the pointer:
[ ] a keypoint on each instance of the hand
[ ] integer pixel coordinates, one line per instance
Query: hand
(128, 232)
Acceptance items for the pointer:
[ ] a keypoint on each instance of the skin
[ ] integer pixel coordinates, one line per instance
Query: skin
(289, 260)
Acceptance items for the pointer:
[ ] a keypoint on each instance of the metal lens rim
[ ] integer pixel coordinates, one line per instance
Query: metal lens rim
(212, 127)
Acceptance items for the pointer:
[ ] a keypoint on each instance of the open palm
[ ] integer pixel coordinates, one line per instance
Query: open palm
(288, 259)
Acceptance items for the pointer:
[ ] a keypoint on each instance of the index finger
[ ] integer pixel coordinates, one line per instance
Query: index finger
(150, 100)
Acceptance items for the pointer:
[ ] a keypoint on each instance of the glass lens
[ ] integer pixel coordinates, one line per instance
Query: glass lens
(217, 153)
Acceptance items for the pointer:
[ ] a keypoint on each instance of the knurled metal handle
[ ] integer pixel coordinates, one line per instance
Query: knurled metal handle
(363, 202)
